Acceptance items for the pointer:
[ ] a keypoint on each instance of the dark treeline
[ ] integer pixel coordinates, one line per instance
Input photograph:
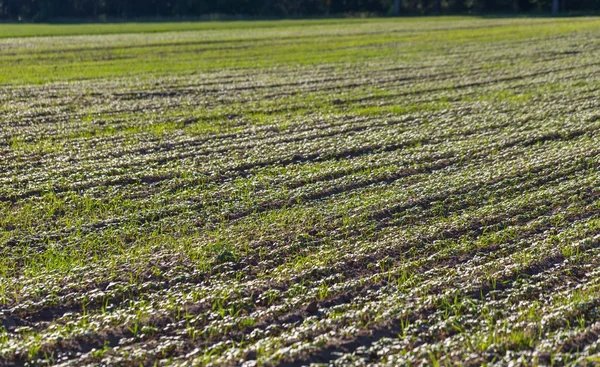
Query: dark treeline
(44, 10)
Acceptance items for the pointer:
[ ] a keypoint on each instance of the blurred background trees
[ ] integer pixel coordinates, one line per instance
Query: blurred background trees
(45, 10)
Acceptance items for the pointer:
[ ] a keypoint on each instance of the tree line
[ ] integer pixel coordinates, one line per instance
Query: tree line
(45, 10)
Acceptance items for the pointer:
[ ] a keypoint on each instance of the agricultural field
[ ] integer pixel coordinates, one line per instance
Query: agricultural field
(402, 192)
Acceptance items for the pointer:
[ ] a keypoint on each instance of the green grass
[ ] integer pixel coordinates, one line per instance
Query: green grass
(10, 30)
(347, 190)
(134, 51)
